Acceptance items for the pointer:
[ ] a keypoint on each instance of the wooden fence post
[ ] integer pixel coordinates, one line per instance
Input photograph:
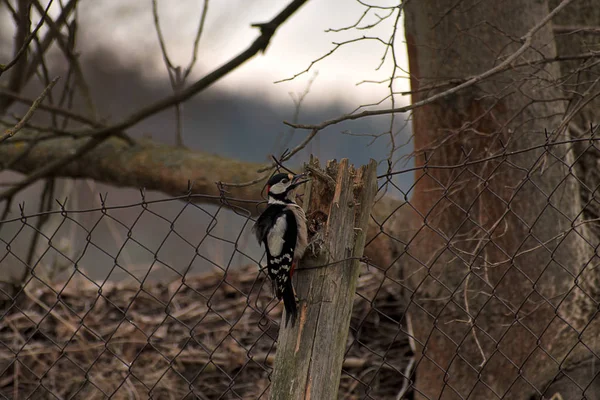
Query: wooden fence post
(309, 356)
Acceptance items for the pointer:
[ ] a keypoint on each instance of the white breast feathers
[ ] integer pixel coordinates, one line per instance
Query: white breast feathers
(275, 236)
(302, 238)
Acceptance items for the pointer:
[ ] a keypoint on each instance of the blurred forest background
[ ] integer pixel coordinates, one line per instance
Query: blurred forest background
(239, 117)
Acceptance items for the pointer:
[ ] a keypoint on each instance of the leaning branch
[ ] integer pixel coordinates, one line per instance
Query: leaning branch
(150, 165)
(147, 164)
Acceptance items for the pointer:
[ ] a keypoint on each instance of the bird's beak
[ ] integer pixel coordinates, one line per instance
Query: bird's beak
(299, 179)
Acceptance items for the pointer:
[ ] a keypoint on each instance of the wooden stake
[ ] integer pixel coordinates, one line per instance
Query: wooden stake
(309, 356)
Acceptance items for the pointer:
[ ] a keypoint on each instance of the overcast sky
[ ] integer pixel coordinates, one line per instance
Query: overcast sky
(124, 30)
(128, 25)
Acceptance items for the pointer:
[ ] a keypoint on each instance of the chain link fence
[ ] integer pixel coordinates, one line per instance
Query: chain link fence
(164, 298)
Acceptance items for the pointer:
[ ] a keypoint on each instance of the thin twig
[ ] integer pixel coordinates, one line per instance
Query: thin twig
(189, 68)
(269, 169)
(335, 48)
(261, 178)
(571, 29)
(457, 81)
(176, 76)
(161, 40)
(11, 132)
(503, 154)
(44, 207)
(51, 109)
(298, 100)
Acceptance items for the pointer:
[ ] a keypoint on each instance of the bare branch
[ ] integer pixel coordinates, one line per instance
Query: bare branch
(16, 81)
(458, 81)
(569, 30)
(161, 40)
(173, 72)
(293, 152)
(335, 48)
(259, 43)
(117, 163)
(298, 100)
(51, 109)
(472, 81)
(28, 70)
(189, 68)
(25, 45)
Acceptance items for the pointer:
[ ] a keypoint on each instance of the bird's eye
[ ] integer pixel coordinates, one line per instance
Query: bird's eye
(285, 180)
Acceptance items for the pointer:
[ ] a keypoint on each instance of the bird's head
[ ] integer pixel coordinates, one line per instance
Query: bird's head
(281, 187)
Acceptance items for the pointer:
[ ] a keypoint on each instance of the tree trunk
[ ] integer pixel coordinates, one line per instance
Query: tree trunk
(581, 83)
(494, 251)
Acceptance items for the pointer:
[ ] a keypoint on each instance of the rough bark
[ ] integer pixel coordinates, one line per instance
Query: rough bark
(490, 261)
(147, 164)
(581, 82)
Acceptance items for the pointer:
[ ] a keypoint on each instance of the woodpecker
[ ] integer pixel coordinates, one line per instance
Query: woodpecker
(282, 229)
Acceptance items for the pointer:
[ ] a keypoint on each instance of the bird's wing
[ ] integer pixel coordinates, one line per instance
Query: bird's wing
(281, 243)
(264, 222)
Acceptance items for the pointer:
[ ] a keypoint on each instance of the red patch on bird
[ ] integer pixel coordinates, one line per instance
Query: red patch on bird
(268, 188)
(293, 267)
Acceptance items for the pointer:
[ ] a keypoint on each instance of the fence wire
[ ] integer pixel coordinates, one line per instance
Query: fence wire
(165, 299)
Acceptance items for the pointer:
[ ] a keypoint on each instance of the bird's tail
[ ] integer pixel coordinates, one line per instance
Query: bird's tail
(289, 302)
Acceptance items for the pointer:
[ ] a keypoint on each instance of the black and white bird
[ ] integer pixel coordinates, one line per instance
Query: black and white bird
(282, 229)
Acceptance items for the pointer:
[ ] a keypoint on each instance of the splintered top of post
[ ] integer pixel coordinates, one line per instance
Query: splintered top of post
(321, 196)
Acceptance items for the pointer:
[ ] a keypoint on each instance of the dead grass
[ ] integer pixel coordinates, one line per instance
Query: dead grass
(207, 337)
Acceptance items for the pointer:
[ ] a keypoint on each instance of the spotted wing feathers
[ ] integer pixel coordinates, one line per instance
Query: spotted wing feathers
(277, 229)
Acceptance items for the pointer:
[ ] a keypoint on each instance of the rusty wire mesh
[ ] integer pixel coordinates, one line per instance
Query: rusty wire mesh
(495, 265)
(177, 307)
